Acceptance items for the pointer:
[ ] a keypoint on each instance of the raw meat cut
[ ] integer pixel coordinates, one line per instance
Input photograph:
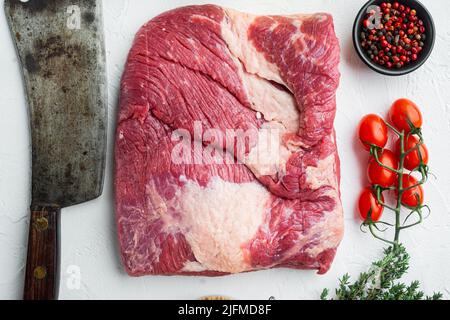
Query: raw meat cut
(190, 200)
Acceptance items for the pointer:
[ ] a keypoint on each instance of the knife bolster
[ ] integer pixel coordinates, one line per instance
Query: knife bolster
(42, 269)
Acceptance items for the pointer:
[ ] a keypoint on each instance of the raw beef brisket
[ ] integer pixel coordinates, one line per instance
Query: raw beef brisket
(189, 201)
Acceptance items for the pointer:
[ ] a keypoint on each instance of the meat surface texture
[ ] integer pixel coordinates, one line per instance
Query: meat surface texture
(226, 207)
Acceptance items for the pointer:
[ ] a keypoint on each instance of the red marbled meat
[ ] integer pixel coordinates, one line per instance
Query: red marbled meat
(225, 69)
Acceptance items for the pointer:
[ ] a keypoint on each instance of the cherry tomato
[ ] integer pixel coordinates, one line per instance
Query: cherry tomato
(382, 176)
(412, 159)
(404, 109)
(409, 197)
(368, 201)
(373, 130)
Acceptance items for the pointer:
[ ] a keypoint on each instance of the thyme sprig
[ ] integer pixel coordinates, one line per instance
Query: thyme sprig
(381, 281)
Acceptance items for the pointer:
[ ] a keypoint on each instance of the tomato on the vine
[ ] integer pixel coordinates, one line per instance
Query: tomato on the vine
(368, 203)
(383, 176)
(402, 111)
(372, 130)
(412, 159)
(414, 196)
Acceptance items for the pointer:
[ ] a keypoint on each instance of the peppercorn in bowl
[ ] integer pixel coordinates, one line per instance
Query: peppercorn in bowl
(394, 37)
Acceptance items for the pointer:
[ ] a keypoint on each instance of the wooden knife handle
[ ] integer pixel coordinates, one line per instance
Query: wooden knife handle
(42, 273)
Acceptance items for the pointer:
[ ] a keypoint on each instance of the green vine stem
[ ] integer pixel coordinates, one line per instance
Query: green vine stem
(399, 188)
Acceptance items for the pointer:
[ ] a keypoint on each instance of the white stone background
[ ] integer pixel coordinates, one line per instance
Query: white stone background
(88, 231)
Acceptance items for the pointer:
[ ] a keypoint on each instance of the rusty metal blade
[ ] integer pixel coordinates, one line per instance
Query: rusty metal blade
(61, 49)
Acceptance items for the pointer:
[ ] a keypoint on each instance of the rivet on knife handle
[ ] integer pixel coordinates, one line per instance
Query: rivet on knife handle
(42, 257)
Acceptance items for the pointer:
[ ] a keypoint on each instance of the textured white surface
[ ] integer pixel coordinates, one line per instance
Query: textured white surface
(88, 231)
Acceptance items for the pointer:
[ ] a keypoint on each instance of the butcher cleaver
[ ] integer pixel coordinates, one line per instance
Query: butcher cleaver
(61, 51)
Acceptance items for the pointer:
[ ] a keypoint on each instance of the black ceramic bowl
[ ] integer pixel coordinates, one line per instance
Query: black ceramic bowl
(422, 13)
